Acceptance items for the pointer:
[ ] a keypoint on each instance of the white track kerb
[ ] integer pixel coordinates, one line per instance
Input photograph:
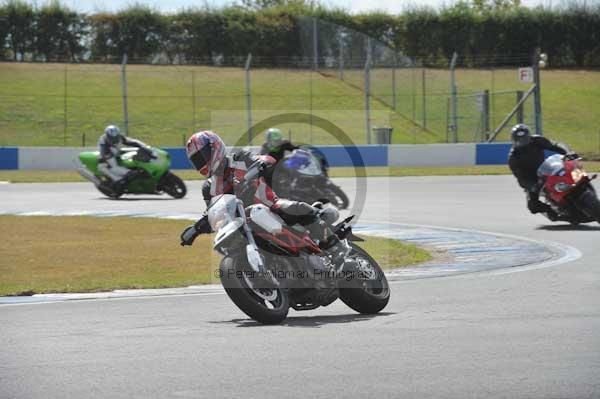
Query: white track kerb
(466, 252)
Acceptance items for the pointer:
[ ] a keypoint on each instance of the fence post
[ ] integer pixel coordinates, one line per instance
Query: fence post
(537, 95)
(448, 120)
(65, 110)
(424, 99)
(394, 83)
(453, 91)
(520, 109)
(248, 97)
(368, 93)
(193, 101)
(341, 60)
(315, 45)
(486, 113)
(124, 94)
(413, 89)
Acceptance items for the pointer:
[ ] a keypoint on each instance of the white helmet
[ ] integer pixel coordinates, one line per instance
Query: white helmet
(113, 133)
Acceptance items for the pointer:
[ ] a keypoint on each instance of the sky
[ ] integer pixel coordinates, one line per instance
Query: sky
(354, 6)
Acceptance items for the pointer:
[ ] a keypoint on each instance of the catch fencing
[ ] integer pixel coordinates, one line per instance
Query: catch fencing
(345, 77)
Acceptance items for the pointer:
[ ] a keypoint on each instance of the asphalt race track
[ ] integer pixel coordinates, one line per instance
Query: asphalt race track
(530, 334)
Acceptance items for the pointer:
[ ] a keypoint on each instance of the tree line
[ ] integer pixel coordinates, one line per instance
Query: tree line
(271, 29)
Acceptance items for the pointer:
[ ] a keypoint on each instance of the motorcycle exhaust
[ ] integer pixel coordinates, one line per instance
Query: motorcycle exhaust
(89, 175)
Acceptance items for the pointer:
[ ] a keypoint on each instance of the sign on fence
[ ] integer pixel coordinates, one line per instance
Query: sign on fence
(526, 75)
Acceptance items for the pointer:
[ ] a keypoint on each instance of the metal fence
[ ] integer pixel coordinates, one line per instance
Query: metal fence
(343, 76)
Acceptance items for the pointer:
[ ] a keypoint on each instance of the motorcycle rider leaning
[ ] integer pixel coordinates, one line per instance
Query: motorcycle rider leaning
(206, 151)
(275, 145)
(526, 156)
(109, 145)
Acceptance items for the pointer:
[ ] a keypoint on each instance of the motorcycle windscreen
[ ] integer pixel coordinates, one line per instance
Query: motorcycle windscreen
(222, 210)
(304, 163)
(552, 166)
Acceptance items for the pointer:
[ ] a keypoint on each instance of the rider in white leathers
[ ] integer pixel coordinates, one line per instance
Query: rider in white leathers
(109, 145)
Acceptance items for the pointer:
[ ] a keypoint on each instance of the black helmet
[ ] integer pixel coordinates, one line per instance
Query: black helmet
(521, 135)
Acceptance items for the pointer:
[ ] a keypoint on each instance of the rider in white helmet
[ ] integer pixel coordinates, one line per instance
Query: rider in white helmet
(109, 145)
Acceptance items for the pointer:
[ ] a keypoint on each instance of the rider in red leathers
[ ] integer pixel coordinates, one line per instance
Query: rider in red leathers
(228, 175)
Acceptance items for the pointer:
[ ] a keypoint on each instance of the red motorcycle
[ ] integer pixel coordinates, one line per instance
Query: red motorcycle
(568, 190)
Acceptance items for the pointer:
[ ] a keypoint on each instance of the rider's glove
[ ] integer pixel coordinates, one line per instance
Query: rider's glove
(191, 232)
(572, 155)
(318, 205)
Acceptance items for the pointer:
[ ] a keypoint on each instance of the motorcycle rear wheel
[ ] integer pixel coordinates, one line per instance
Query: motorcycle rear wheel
(367, 296)
(108, 192)
(267, 306)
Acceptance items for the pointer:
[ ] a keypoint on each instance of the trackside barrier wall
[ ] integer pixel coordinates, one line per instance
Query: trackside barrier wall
(64, 158)
(492, 153)
(432, 154)
(9, 158)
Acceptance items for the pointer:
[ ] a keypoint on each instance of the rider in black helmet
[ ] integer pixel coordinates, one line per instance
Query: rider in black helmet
(526, 156)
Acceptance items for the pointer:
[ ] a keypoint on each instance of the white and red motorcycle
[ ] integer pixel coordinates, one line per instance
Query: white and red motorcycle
(269, 267)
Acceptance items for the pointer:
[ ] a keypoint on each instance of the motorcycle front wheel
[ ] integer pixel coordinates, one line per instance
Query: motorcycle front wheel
(368, 290)
(265, 305)
(589, 203)
(339, 196)
(173, 185)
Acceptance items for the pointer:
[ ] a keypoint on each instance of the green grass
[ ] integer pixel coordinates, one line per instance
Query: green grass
(60, 176)
(85, 254)
(167, 103)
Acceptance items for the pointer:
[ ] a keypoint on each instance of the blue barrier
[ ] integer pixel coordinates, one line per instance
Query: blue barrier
(364, 155)
(492, 153)
(9, 158)
(361, 155)
(178, 158)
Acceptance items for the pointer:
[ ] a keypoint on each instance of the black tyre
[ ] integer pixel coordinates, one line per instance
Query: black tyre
(108, 192)
(368, 291)
(265, 305)
(589, 203)
(173, 185)
(339, 196)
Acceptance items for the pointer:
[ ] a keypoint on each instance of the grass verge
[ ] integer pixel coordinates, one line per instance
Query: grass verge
(45, 254)
(61, 176)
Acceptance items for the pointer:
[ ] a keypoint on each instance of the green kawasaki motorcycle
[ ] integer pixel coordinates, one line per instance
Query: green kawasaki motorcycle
(151, 174)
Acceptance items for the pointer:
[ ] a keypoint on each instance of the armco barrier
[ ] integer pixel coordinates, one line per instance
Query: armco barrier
(63, 158)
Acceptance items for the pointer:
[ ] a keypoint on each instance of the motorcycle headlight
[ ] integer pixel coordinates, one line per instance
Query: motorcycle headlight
(561, 187)
(577, 174)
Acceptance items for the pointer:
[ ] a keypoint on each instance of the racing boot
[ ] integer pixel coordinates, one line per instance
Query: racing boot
(120, 185)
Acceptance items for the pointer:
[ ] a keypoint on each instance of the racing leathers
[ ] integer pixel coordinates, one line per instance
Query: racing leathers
(257, 190)
(109, 153)
(277, 151)
(524, 162)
